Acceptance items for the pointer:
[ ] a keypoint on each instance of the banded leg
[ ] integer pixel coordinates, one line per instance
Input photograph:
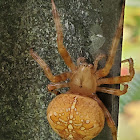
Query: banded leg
(105, 71)
(62, 50)
(112, 91)
(108, 117)
(47, 71)
(119, 79)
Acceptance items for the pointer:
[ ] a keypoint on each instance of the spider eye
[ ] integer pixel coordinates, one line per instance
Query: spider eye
(85, 64)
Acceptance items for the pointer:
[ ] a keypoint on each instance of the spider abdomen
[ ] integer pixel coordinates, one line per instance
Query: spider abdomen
(75, 117)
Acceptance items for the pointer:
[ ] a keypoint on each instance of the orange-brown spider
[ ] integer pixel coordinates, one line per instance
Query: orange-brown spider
(79, 114)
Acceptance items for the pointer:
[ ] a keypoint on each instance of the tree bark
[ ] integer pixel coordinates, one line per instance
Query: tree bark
(88, 26)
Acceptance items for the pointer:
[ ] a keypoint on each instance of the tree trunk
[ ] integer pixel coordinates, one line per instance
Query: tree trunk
(88, 25)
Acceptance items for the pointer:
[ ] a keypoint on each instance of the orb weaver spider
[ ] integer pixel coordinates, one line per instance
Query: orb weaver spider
(79, 114)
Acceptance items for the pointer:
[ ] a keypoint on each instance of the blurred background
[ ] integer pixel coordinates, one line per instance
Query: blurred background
(129, 118)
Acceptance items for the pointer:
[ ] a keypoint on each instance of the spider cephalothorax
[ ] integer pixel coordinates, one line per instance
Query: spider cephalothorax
(79, 114)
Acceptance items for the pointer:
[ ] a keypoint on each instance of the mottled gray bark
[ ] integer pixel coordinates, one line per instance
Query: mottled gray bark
(89, 26)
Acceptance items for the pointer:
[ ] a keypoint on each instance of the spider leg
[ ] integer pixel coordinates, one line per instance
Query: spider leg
(97, 60)
(119, 79)
(112, 91)
(47, 71)
(105, 71)
(61, 48)
(81, 60)
(54, 86)
(108, 117)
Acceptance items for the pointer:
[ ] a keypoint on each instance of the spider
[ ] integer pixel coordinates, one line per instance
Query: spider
(79, 114)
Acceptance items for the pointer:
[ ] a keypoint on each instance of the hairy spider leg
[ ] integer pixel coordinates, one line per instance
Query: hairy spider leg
(119, 79)
(112, 91)
(97, 61)
(108, 117)
(61, 48)
(105, 71)
(47, 71)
